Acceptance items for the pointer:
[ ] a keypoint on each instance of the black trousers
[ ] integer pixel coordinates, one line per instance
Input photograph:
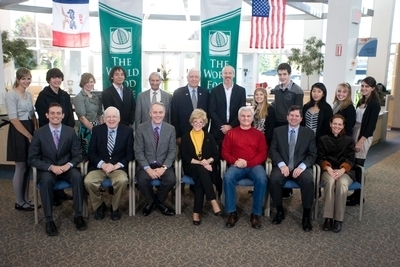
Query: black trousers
(203, 184)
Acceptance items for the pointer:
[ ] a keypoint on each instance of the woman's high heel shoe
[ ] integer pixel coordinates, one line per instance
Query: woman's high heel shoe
(198, 221)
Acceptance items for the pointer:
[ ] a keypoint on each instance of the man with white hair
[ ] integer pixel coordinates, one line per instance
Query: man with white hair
(184, 100)
(245, 149)
(110, 150)
(148, 97)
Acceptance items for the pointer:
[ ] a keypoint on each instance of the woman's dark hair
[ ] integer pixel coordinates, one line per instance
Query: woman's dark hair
(338, 116)
(321, 102)
(371, 82)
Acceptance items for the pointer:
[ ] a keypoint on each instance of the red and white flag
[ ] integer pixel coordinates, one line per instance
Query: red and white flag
(71, 23)
(268, 24)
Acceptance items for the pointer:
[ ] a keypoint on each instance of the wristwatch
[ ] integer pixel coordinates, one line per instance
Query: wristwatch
(165, 167)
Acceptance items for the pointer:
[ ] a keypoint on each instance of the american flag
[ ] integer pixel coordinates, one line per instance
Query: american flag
(268, 24)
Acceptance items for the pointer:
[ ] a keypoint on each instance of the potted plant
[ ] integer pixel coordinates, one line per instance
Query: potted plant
(164, 75)
(311, 60)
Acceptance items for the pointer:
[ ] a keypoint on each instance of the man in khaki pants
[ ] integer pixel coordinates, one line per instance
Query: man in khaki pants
(110, 150)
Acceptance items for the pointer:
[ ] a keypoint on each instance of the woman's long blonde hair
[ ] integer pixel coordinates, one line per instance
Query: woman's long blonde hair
(347, 102)
(263, 111)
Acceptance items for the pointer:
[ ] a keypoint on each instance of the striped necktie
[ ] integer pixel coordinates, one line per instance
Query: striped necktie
(111, 142)
(156, 136)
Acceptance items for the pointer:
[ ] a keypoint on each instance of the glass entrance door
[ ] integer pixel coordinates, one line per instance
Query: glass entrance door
(176, 65)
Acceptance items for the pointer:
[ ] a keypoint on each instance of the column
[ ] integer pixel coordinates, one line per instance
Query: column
(381, 28)
(342, 29)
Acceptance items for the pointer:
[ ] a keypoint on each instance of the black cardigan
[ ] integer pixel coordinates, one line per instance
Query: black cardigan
(349, 113)
(324, 116)
(369, 119)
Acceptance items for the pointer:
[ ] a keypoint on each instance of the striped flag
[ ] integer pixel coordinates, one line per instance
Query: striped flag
(268, 24)
(71, 23)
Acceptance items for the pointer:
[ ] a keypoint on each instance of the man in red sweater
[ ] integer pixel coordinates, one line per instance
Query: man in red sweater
(244, 148)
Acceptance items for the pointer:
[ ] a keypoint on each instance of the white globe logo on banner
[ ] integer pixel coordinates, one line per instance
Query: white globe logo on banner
(120, 40)
(220, 43)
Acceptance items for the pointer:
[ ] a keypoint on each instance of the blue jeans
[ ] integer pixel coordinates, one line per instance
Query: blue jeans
(257, 175)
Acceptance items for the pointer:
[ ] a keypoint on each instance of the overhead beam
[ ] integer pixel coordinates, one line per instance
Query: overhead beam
(306, 9)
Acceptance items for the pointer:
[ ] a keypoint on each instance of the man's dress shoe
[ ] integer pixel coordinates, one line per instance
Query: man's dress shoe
(307, 226)
(166, 210)
(337, 227)
(80, 223)
(147, 209)
(327, 224)
(279, 217)
(232, 220)
(99, 215)
(115, 214)
(255, 221)
(51, 228)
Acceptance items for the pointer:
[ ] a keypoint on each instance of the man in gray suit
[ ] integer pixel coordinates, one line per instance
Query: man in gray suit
(155, 150)
(293, 153)
(146, 98)
(56, 151)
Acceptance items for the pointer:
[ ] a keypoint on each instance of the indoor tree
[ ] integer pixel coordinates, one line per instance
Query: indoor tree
(311, 60)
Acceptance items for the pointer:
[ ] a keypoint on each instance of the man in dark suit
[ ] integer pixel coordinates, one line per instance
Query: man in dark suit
(225, 101)
(110, 150)
(146, 98)
(56, 151)
(155, 148)
(185, 100)
(293, 153)
(54, 94)
(119, 96)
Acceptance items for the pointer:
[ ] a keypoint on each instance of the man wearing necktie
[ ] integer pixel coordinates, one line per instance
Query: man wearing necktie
(148, 97)
(55, 152)
(155, 150)
(184, 100)
(110, 151)
(293, 152)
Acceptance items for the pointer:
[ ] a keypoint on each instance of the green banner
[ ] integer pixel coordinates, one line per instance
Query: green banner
(220, 24)
(121, 40)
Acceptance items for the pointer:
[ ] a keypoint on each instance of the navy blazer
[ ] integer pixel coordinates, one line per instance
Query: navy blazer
(123, 147)
(182, 108)
(217, 109)
(126, 107)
